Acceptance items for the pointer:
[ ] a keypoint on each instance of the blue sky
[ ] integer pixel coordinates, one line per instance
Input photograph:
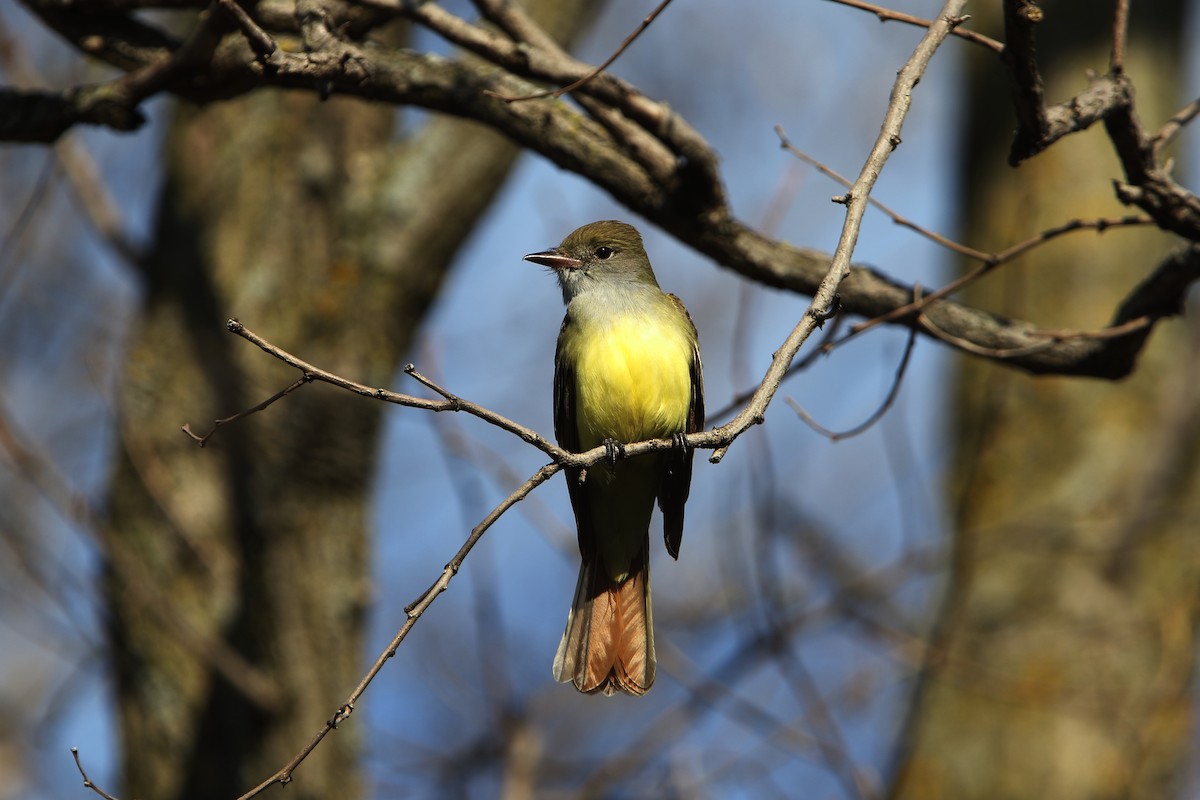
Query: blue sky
(821, 71)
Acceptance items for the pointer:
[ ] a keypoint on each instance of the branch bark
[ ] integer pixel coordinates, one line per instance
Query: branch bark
(635, 148)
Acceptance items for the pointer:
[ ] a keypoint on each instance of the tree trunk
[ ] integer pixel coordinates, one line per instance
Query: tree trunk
(1062, 659)
(238, 576)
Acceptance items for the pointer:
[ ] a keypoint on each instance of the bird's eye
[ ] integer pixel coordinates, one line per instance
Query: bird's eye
(604, 253)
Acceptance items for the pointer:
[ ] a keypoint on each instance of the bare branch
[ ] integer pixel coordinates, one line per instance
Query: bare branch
(608, 62)
(1173, 126)
(203, 440)
(888, 15)
(414, 612)
(869, 422)
(87, 782)
(1148, 184)
(937, 238)
(1162, 305)
(990, 262)
(887, 141)
(1116, 61)
(635, 148)
(260, 41)
(452, 403)
(113, 104)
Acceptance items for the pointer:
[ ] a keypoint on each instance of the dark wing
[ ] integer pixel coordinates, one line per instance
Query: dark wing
(567, 434)
(677, 480)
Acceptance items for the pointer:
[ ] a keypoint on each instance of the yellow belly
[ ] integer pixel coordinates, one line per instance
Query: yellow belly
(633, 381)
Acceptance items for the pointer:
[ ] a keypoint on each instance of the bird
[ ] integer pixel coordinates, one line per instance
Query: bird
(626, 368)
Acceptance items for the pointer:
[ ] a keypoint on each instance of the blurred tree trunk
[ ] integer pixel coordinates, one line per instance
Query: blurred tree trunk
(1062, 659)
(238, 576)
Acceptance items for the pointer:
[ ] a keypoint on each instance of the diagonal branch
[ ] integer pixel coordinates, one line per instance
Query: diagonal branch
(856, 206)
(413, 612)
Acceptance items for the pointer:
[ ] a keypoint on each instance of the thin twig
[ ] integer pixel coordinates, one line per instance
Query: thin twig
(649, 18)
(916, 306)
(949, 244)
(971, 347)
(87, 782)
(1173, 126)
(856, 206)
(259, 40)
(781, 201)
(203, 440)
(829, 338)
(991, 262)
(313, 373)
(414, 611)
(1112, 332)
(887, 14)
(1120, 32)
(865, 425)
(451, 402)
(411, 370)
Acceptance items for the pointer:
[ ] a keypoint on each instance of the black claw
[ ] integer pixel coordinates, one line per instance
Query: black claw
(679, 441)
(614, 451)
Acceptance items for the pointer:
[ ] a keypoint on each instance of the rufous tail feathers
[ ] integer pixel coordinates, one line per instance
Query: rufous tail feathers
(608, 645)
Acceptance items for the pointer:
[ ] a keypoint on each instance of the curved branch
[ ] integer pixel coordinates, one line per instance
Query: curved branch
(634, 148)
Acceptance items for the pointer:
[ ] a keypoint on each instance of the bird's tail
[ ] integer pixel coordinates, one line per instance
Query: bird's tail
(609, 641)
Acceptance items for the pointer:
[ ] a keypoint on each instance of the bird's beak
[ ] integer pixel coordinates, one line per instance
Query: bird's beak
(554, 259)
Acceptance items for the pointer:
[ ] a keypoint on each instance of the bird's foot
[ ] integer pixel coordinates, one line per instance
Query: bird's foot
(614, 451)
(679, 441)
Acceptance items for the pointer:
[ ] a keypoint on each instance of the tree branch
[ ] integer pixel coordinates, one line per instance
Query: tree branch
(889, 15)
(634, 148)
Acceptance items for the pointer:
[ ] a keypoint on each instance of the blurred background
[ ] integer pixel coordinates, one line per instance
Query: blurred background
(990, 593)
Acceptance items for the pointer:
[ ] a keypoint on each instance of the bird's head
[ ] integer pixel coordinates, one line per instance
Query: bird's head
(600, 254)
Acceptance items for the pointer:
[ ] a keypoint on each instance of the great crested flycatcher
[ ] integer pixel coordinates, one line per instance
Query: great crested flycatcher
(627, 369)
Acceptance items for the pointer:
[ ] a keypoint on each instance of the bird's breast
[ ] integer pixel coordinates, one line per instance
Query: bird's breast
(633, 379)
